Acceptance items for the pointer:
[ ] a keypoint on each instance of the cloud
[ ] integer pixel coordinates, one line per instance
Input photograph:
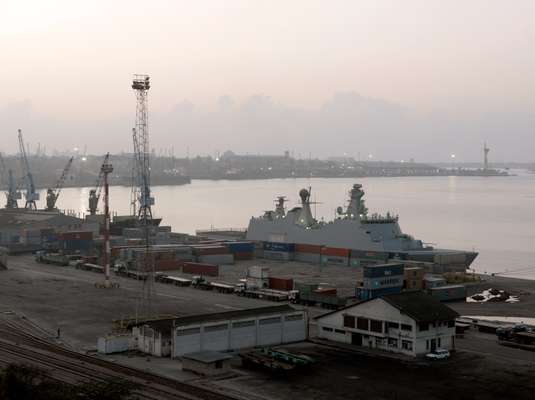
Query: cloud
(346, 123)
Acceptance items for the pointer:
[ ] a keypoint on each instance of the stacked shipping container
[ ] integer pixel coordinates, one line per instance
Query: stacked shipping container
(334, 256)
(379, 280)
(200, 269)
(213, 254)
(241, 250)
(279, 251)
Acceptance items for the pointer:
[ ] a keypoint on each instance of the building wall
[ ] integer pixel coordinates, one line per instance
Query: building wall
(406, 338)
(206, 368)
(240, 333)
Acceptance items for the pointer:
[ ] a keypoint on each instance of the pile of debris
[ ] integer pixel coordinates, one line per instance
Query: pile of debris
(492, 295)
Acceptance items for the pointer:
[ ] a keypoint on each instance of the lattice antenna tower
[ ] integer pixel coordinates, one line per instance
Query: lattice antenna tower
(141, 86)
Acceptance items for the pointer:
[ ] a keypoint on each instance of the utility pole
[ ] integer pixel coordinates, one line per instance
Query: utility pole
(485, 157)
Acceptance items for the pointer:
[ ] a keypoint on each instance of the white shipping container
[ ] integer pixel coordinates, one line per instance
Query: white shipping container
(307, 257)
(278, 255)
(256, 271)
(256, 283)
(113, 344)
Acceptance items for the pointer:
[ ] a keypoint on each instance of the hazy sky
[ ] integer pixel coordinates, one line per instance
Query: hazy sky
(399, 79)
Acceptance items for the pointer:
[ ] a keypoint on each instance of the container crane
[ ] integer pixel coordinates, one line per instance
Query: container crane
(53, 194)
(94, 194)
(12, 194)
(31, 195)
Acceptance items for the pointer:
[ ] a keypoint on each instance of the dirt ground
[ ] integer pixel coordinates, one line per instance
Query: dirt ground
(66, 298)
(344, 375)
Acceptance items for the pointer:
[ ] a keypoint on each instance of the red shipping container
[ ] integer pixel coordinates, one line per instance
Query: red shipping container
(200, 269)
(333, 251)
(281, 283)
(243, 256)
(327, 291)
(75, 235)
(307, 248)
(168, 265)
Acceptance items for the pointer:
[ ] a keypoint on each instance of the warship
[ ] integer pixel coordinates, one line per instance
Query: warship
(351, 229)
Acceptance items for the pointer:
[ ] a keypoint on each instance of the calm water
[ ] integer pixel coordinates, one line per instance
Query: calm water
(495, 216)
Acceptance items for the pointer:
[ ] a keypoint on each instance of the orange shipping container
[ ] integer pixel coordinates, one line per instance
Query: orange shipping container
(307, 248)
(333, 251)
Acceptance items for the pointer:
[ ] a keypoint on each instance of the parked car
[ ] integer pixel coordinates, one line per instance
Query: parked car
(438, 354)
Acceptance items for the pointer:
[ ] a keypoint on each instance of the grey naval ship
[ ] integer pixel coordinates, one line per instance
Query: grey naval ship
(352, 229)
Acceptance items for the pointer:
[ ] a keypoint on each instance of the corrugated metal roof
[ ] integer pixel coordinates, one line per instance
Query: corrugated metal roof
(166, 325)
(416, 304)
(27, 218)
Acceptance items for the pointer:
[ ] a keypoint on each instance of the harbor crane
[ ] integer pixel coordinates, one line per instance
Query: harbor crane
(141, 86)
(95, 194)
(53, 194)
(8, 181)
(31, 195)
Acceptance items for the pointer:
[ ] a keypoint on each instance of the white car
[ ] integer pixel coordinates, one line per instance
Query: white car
(438, 354)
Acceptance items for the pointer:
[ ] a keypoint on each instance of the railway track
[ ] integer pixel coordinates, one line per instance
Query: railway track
(18, 345)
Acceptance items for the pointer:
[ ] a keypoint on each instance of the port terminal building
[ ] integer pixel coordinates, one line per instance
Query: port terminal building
(411, 323)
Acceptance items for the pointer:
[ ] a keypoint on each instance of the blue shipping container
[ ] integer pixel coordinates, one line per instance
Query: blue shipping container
(378, 271)
(368, 294)
(240, 247)
(274, 246)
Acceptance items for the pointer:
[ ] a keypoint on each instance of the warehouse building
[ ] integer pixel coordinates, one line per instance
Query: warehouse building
(411, 323)
(231, 330)
(25, 228)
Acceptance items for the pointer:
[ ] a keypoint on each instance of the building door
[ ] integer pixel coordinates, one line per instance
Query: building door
(356, 339)
(433, 345)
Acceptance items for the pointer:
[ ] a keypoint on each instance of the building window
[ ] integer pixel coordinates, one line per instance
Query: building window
(325, 329)
(427, 344)
(268, 321)
(392, 342)
(340, 331)
(379, 341)
(392, 325)
(451, 324)
(214, 328)
(243, 324)
(376, 326)
(190, 331)
(349, 321)
(423, 326)
(406, 345)
(439, 342)
(298, 317)
(406, 327)
(219, 364)
(362, 324)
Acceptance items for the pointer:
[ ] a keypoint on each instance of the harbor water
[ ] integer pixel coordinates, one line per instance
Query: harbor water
(492, 215)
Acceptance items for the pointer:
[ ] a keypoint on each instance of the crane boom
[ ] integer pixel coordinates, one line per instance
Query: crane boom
(31, 195)
(53, 194)
(8, 181)
(94, 194)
